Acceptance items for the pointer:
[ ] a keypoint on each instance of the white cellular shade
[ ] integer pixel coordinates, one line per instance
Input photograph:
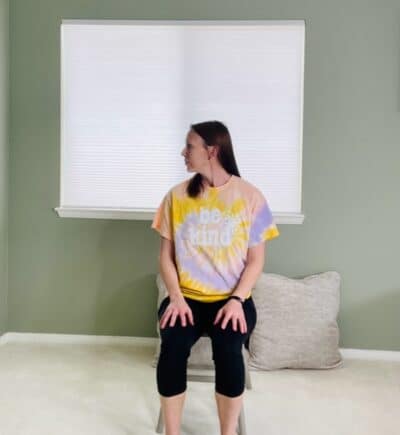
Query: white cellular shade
(131, 89)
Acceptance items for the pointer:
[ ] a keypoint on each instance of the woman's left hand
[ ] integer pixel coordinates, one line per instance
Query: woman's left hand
(232, 310)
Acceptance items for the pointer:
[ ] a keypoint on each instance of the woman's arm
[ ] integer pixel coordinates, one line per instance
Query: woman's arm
(232, 310)
(168, 270)
(252, 271)
(178, 307)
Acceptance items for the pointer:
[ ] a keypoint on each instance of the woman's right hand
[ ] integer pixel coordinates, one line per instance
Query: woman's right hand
(177, 307)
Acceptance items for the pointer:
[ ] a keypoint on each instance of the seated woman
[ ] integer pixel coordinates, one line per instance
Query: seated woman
(213, 227)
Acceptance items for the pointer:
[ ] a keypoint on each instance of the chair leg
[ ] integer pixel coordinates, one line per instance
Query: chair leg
(247, 375)
(160, 424)
(242, 423)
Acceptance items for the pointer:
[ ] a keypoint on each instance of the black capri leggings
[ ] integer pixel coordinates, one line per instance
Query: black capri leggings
(177, 341)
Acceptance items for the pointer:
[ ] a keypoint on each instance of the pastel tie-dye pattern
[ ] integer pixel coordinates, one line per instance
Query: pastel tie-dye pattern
(261, 226)
(212, 234)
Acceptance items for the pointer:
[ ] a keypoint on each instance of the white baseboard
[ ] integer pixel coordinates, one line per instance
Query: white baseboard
(370, 354)
(28, 337)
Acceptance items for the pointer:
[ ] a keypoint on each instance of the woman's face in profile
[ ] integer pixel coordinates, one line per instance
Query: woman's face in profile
(195, 152)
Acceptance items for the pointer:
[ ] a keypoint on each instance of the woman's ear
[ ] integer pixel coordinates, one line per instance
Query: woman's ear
(213, 152)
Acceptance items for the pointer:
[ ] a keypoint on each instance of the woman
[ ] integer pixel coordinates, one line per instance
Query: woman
(213, 227)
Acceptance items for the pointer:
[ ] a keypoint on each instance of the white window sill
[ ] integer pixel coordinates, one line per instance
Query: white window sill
(147, 214)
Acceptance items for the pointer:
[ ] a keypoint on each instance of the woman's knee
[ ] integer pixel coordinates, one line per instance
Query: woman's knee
(171, 368)
(175, 344)
(229, 364)
(227, 342)
(229, 375)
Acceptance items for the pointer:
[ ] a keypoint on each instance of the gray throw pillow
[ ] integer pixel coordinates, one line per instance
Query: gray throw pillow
(296, 322)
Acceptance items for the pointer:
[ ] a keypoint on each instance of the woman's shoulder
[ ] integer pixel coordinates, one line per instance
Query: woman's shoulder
(247, 188)
(178, 189)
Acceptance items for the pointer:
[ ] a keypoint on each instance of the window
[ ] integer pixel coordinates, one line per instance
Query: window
(131, 89)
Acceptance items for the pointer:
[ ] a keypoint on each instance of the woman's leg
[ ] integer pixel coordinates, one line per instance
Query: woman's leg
(176, 343)
(227, 347)
(172, 407)
(228, 412)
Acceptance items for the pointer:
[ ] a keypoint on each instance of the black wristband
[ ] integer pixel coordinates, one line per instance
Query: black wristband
(237, 298)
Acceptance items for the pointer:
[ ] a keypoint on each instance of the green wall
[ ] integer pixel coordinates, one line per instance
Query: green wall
(94, 276)
(4, 150)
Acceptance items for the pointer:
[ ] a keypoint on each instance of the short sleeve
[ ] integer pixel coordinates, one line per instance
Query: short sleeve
(262, 225)
(162, 219)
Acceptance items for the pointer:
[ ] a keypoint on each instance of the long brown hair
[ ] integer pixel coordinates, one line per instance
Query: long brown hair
(214, 133)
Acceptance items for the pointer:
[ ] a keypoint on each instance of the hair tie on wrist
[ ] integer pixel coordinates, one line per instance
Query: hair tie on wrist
(237, 298)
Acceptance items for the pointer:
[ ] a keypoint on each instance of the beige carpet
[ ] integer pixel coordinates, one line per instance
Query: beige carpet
(85, 389)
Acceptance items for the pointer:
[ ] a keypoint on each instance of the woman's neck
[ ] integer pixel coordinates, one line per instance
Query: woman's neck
(218, 178)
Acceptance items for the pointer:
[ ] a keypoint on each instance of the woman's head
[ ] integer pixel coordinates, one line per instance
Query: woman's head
(205, 141)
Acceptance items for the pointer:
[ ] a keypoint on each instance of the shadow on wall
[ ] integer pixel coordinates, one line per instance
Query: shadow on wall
(382, 328)
(127, 292)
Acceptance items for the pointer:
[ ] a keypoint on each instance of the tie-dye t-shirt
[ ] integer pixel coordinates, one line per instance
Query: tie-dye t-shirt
(212, 233)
